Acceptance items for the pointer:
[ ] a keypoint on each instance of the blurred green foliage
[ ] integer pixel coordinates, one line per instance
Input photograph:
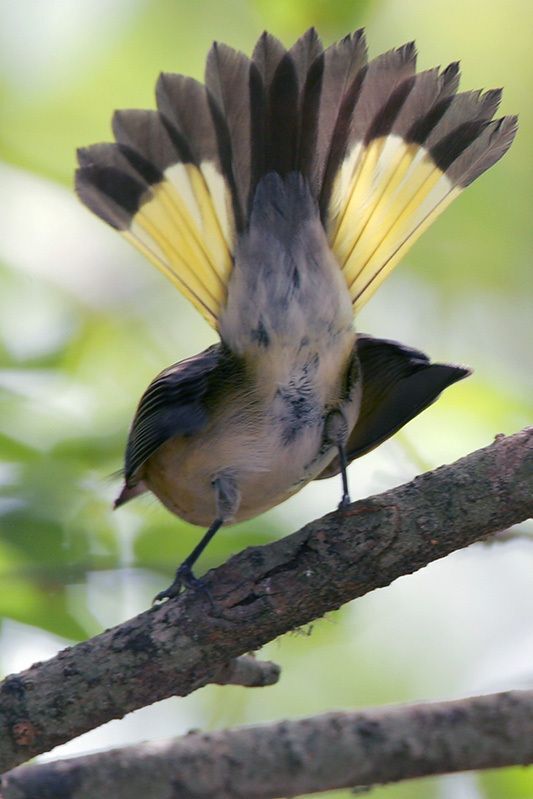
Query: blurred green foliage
(85, 324)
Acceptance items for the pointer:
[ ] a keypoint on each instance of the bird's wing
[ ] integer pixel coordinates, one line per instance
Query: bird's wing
(398, 383)
(173, 404)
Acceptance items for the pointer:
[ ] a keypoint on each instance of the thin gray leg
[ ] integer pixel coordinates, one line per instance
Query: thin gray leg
(336, 432)
(227, 503)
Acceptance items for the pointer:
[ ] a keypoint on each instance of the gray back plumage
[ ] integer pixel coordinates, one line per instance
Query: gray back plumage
(285, 288)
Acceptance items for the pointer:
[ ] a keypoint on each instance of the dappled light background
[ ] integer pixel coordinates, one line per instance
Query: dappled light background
(85, 324)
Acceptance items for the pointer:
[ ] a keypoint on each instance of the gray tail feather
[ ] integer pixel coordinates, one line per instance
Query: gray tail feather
(281, 111)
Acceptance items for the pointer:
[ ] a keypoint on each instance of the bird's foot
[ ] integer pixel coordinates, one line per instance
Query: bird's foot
(345, 501)
(184, 580)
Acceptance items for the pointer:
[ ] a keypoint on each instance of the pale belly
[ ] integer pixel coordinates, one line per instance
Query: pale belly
(266, 470)
(267, 438)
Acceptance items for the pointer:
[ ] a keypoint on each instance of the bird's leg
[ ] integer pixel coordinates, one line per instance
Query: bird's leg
(336, 432)
(227, 501)
(345, 499)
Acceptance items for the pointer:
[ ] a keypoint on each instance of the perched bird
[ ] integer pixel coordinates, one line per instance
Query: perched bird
(277, 197)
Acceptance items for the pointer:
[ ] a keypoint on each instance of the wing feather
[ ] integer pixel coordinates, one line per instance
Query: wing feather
(173, 404)
(399, 382)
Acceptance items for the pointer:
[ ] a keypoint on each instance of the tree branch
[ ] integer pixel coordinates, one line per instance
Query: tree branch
(291, 758)
(262, 593)
(247, 672)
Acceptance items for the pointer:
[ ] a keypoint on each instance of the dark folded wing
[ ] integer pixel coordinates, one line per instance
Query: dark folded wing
(175, 403)
(398, 383)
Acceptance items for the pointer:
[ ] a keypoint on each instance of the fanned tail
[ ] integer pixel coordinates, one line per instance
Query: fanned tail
(384, 150)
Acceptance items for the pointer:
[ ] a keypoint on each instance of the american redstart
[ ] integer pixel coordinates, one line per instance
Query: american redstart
(277, 197)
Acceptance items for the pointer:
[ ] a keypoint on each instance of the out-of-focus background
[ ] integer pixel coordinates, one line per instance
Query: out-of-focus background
(85, 324)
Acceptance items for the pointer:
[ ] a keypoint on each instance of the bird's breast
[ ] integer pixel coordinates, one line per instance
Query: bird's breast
(268, 437)
(268, 458)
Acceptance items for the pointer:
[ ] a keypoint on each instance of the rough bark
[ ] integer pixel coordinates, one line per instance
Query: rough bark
(264, 592)
(291, 758)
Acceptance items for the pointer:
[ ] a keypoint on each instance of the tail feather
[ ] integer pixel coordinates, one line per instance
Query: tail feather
(426, 89)
(191, 115)
(184, 105)
(266, 56)
(383, 75)
(282, 119)
(109, 185)
(493, 142)
(460, 109)
(384, 151)
(303, 53)
(228, 77)
(407, 174)
(170, 214)
(325, 111)
(146, 132)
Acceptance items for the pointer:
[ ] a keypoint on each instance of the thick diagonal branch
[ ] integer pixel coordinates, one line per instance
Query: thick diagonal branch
(291, 758)
(262, 593)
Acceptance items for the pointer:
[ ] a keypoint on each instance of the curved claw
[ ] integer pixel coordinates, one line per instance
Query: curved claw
(184, 579)
(169, 593)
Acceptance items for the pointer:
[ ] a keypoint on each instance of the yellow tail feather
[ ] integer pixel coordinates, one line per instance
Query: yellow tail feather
(185, 229)
(385, 196)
